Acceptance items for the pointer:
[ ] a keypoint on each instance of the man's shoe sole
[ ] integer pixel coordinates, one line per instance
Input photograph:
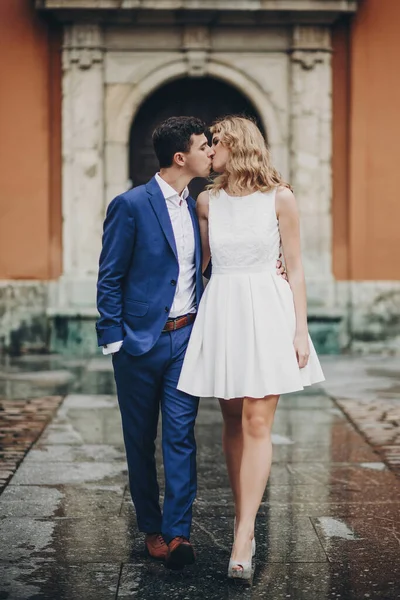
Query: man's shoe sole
(158, 558)
(179, 558)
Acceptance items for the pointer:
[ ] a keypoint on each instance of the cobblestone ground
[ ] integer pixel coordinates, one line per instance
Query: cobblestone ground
(21, 423)
(368, 391)
(328, 526)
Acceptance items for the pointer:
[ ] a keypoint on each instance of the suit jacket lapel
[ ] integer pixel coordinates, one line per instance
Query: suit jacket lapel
(159, 205)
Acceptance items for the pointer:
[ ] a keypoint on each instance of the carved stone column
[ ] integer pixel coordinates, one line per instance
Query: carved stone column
(310, 149)
(83, 179)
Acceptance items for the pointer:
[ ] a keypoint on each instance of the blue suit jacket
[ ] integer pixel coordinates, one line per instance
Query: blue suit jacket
(139, 268)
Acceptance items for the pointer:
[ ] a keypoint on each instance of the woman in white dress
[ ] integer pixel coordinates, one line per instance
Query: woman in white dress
(250, 341)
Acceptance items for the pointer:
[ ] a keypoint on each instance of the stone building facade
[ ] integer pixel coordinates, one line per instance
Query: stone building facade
(274, 57)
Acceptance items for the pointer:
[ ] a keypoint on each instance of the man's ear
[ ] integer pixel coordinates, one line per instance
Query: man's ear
(179, 159)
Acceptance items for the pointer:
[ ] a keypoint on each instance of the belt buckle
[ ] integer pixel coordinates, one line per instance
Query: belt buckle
(174, 328)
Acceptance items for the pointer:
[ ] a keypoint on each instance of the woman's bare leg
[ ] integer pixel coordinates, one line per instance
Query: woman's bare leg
(257, 420)
(232, 443)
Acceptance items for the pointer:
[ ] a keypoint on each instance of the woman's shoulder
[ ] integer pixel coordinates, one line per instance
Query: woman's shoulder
(284, 194)
(203, 199)
(285, 202)
(202, 204)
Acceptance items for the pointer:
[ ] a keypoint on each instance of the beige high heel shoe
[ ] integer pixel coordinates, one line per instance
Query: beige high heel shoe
(253, 541)
(242, 572)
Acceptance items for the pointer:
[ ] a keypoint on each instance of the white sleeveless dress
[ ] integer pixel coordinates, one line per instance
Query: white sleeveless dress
(242, 340)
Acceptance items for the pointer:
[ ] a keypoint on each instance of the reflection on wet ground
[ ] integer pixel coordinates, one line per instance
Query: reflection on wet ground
(328, 526)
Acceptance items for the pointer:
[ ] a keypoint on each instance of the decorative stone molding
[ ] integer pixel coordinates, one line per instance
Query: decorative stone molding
(295, 11)
(196, 37)
(308, 60)
(196, 63)
(196, 44)
(83, 45)
(309, 37)
(310, 45)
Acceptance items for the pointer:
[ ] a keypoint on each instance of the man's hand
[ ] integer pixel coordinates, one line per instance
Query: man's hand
(280, 269)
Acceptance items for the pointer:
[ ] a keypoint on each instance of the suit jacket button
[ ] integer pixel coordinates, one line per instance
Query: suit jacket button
(173, 282)
(166, 309)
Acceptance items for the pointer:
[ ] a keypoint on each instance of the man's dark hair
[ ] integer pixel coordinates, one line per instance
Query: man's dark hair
(174, 135)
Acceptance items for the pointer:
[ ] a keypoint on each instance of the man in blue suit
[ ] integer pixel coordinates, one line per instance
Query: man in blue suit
(149, 286)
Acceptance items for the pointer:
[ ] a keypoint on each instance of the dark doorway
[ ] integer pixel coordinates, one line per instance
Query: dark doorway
(205, 98)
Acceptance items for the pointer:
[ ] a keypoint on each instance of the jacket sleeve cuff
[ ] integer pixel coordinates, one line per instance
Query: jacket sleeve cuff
(110, 335)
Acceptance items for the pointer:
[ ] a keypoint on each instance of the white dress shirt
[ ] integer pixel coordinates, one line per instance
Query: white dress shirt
(185, 293)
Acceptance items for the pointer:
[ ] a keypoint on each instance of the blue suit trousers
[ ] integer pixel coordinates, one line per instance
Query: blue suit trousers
(144, 384)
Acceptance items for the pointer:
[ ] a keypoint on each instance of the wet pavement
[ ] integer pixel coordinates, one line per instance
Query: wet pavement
(328, 526)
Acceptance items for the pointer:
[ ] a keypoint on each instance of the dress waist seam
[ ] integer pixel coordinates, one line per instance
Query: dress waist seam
(220, 270)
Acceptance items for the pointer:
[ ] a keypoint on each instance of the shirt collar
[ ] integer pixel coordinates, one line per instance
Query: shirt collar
(168, 192)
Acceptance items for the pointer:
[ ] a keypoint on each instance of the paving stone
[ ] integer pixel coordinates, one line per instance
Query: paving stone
(333, 454)
(44, 580)
(86, 419)
(361, 538)
(28, 390)
(43, 377)
(71, 473)
(367, 389)
(100, 365)
(100, 382)
(387, 511)
(74, 540)
(73, 453)
(327, 526)
(61, 501)
(296, 581)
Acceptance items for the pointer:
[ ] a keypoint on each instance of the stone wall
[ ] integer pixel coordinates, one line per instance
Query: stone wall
(366, 320)
(23, 322)
(285, 72)
(371, 315)
(111, 67)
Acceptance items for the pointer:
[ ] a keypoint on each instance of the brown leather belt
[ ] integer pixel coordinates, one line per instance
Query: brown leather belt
(179, 322)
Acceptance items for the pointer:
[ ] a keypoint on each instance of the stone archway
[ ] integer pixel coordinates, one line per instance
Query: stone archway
(123, 100)
(206, 98)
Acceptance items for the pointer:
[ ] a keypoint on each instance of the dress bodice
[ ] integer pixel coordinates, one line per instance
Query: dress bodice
(243, 231)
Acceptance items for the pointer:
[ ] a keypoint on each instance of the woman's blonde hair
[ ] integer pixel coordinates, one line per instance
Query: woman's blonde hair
(249, 163)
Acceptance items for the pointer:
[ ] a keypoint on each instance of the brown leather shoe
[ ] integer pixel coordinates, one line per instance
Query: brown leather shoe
(156, 546)
(180, 553)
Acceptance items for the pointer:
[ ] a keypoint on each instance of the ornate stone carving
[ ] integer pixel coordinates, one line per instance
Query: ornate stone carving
(308, 60)
(196, 37)
(83, 45)
(197, 63)
(310, 45)
(196, 44)
(311, 37)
